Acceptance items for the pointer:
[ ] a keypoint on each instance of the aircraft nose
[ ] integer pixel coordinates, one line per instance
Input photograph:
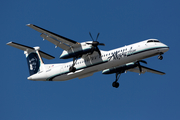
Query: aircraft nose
(165, 49)
(29, 78)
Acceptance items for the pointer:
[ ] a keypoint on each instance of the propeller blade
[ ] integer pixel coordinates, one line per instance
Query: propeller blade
(91, 36)
(143, 61)
(102, 44)
(140, 69)
(99, 52)
(97, 36)
(92, 50)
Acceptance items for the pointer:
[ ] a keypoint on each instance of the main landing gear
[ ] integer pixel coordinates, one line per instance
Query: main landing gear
(72, 68)
(160, 57)
(115, 83)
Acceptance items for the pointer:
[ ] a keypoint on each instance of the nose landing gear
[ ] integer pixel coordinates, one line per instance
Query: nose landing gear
(160, 57)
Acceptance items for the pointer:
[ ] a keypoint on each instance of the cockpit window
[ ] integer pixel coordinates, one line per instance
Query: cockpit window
(149, 41)
(156, 41)
(152, 41)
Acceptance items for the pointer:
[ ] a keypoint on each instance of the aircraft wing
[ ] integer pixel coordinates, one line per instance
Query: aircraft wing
(58, 40)
(146, 69)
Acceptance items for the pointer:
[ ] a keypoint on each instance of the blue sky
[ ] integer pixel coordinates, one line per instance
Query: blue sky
(148, 96)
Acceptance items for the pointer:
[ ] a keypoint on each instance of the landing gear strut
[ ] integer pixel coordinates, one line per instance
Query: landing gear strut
(160, 57)
(72, 68)
(115, 83)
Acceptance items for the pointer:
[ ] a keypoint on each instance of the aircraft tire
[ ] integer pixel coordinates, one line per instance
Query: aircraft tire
(160, 57)
(115, 84)
(72, 69)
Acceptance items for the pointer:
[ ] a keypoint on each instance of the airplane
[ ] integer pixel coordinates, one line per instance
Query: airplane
(88, 58)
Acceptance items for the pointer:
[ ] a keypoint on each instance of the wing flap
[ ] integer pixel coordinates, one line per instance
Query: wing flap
(152, 70)
(134, 70)
(53, 35)
(146, 69)
(55, 42)
(25, 48)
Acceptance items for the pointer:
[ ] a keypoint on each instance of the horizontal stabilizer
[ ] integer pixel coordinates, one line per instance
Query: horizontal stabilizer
(25, 48)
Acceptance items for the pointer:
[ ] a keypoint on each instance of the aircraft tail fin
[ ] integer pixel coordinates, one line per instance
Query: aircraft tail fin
(33, 56)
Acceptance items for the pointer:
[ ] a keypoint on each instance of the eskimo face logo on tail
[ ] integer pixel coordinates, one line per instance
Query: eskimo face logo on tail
(33, 63)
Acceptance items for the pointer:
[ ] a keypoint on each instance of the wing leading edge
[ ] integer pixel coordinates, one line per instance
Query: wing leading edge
(58, 40)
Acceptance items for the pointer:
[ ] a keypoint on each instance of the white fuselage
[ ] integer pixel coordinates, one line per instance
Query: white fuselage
(90, 64)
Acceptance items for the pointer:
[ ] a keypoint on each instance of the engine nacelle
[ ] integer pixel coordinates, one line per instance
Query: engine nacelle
(120, 69)
(76, 51)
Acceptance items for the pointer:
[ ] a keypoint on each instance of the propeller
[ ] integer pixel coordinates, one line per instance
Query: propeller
(138, 64)
(95, 44)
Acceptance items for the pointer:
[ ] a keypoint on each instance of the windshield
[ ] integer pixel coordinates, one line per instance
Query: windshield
(152, 41)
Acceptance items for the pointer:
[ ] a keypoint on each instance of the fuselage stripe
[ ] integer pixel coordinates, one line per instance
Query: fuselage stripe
(51, 78)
